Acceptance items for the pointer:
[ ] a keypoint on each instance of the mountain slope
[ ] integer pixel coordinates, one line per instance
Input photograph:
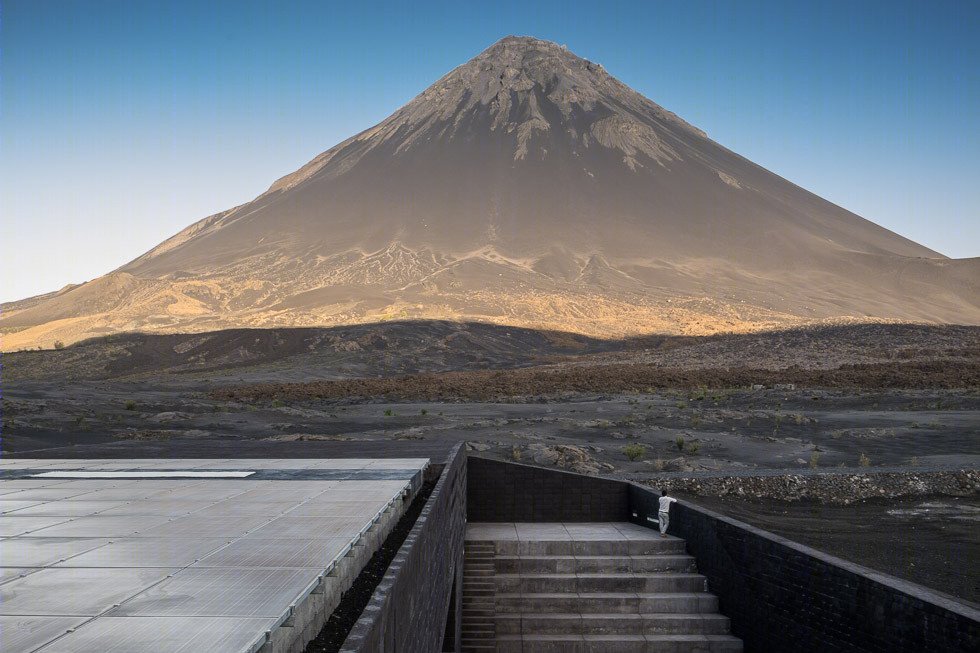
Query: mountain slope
(526, 186)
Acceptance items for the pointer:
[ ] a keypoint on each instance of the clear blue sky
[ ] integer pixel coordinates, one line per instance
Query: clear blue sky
(124, 122)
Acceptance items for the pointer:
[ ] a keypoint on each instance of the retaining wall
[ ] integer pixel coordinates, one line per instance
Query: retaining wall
(779, 595)
(784, 596)
(499, 491)
(409, 608)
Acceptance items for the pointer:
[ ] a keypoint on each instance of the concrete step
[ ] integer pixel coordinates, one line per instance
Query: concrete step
(603, 582)
(610, 624)
(479, 604)
(607, 603)
(473, 599)
(482, 599)
(657, 546)
(577, 564)
(479, 628)
(486, 631)
(618, 644)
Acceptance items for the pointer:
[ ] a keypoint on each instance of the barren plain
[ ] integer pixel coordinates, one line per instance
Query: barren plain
(743, 423)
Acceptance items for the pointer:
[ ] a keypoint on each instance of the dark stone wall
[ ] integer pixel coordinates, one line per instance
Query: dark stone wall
(506, 492)
(783, 596)
(408, 610)
(780, 595)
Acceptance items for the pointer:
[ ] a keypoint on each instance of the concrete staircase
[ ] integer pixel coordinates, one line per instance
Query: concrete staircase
(609, 588)
(479, 627)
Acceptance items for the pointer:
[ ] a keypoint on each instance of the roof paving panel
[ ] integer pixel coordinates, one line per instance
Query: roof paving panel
(176, 564)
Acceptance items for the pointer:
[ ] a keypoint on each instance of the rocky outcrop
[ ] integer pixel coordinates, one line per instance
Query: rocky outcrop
(566, 456)
(832, 488)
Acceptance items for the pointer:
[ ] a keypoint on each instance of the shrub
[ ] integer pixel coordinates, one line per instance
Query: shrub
(515, 453)
(693, 447)
(424, 411)
(130, 405)
(634, 451)
(814, 459)
(680, 444)
(864, 461)
(387, 412)
(58, 344)
(658, 464)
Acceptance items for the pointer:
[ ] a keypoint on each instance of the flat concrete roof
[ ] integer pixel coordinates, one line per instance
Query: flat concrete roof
(115, 560)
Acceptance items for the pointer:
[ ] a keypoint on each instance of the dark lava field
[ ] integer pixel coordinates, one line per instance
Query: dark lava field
(851, 399)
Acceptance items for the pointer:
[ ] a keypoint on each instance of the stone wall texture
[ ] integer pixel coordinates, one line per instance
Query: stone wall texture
(509, 492)
(783, 596)
(408, 610)
(780, 596)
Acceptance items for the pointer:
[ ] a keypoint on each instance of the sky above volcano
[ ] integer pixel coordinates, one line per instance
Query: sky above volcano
(123, 123)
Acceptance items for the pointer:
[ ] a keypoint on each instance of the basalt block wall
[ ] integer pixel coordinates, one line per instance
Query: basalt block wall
(412, 607)
(779, 595)
(783, 596)
(509, 492)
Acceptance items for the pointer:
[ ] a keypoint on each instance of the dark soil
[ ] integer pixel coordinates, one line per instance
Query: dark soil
(354, 600)
(866, 397)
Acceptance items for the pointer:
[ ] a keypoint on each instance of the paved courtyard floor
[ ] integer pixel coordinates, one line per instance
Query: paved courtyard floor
(177, 555)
